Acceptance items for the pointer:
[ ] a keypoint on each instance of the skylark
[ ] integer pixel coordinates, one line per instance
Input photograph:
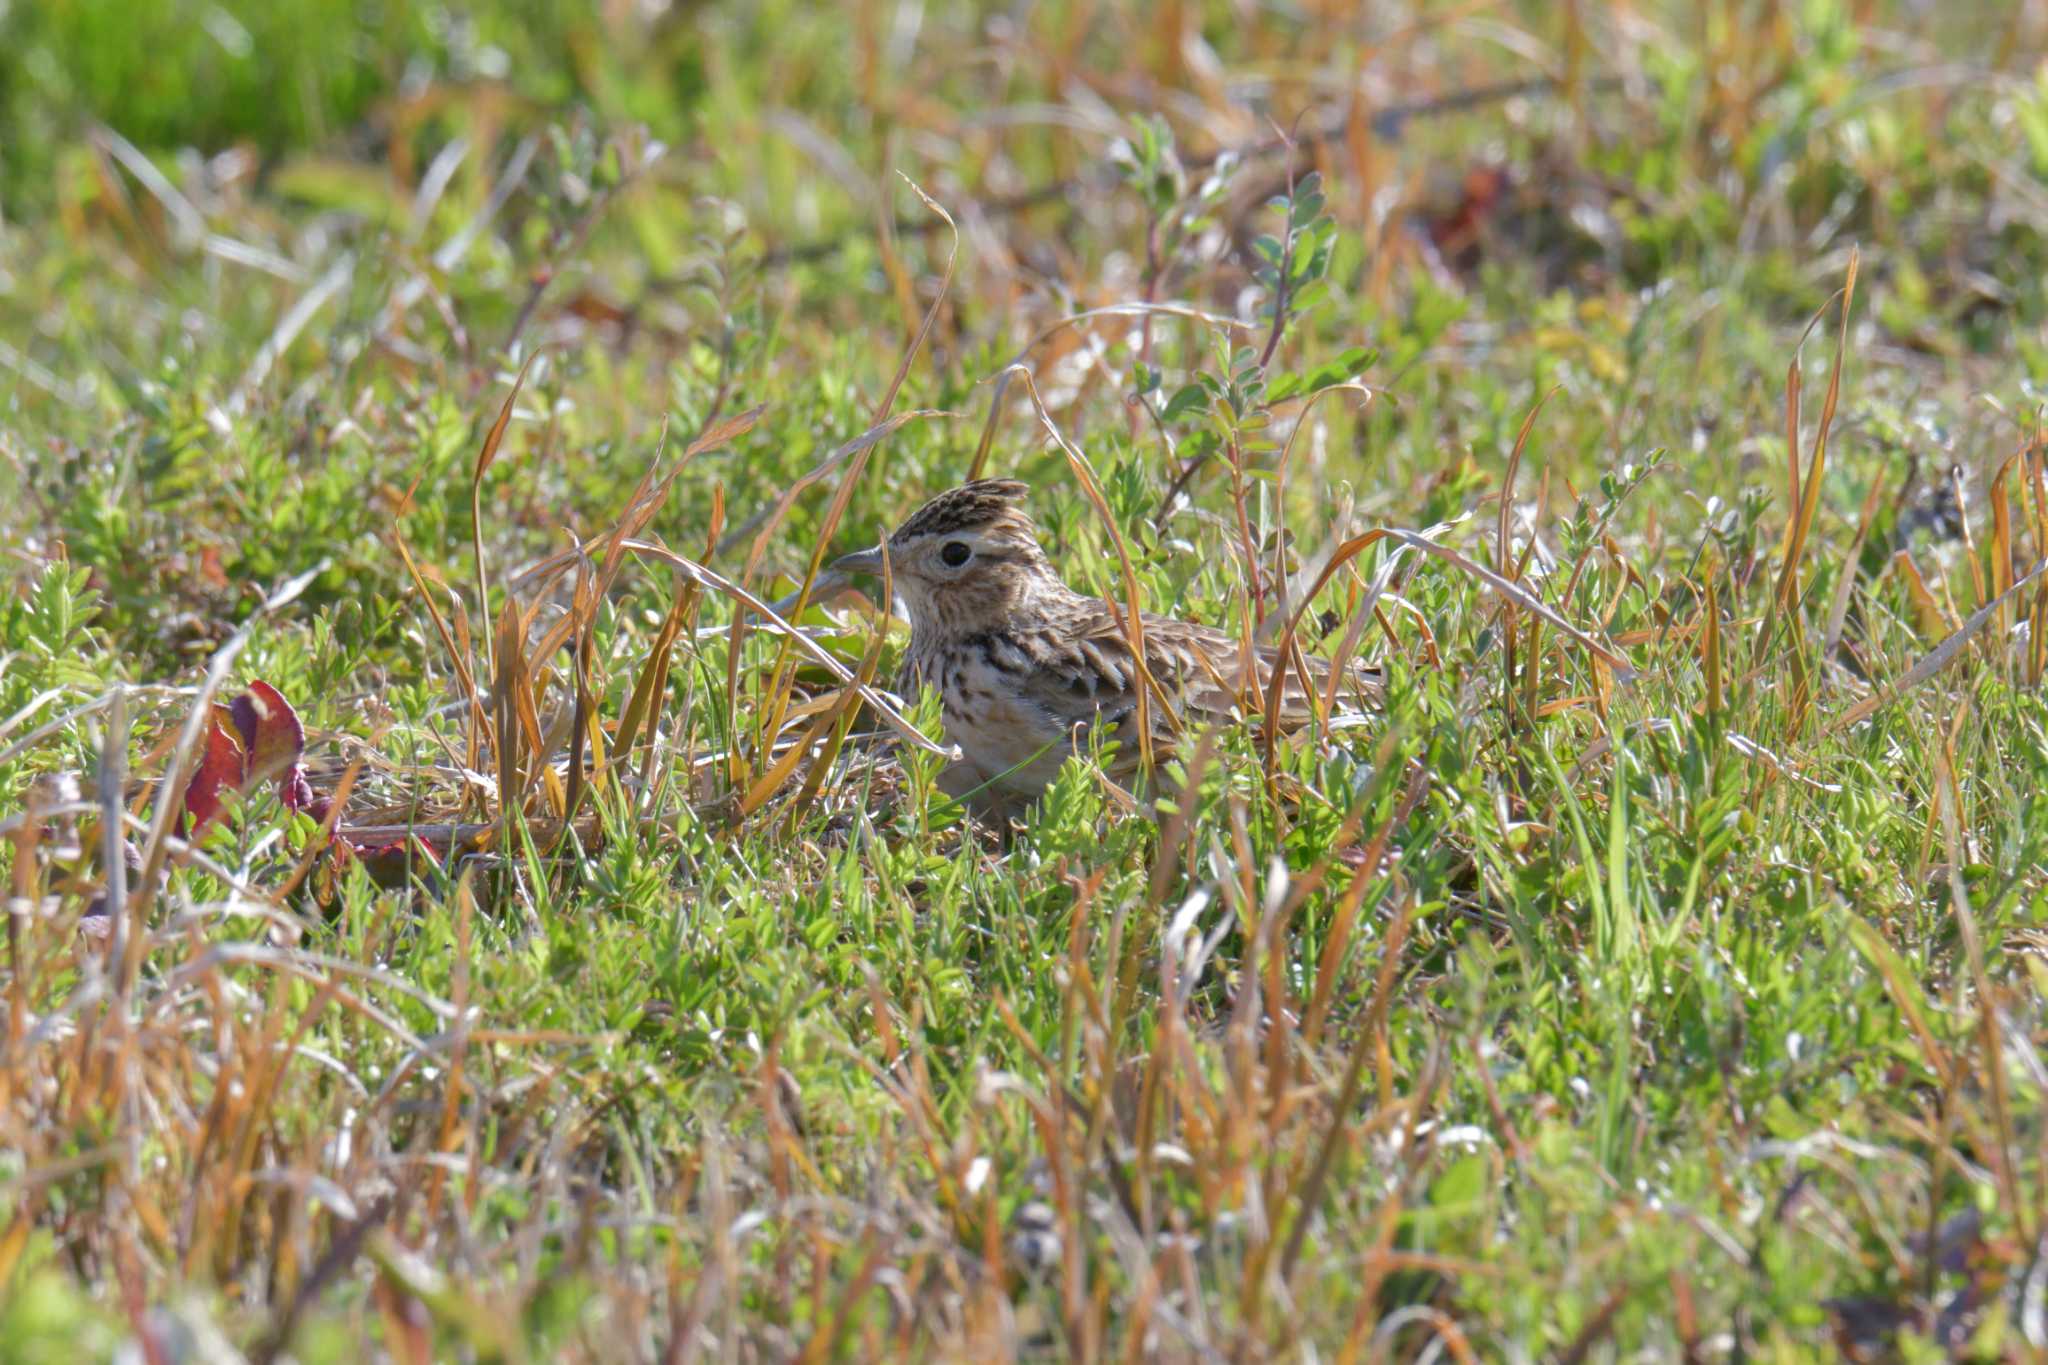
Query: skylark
(1027, 668)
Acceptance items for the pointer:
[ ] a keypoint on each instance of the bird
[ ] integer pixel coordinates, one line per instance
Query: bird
(1028, 670)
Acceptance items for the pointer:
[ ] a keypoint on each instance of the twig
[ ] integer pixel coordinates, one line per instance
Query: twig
(113, 847)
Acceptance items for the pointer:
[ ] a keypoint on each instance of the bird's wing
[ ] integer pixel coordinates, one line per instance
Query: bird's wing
(1088, 677)
(1198, 670)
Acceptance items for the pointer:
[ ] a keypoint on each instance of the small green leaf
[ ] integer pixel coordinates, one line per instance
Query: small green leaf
(1462, 1182)
(1184, 401)
(1351, 362)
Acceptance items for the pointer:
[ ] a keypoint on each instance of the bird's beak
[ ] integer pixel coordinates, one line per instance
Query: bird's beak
(864, 561)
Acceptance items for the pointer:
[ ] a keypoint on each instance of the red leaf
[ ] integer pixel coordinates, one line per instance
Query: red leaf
(222, 769)
(271, 732)
(254, 737)
(389, 865)
(1458, 231)
(298, 794)
(210, 571)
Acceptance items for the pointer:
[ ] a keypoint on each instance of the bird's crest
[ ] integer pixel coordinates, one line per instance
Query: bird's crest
(968, 507)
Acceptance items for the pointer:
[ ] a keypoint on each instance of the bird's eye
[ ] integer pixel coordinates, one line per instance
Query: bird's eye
(955, 553)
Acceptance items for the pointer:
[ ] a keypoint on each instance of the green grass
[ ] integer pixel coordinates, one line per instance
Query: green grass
(1659, 974)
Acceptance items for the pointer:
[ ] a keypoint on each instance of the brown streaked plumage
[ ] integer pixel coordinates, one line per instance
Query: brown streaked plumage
(1025, 666)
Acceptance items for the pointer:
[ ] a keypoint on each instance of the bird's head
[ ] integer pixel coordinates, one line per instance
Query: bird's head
(965, 560)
